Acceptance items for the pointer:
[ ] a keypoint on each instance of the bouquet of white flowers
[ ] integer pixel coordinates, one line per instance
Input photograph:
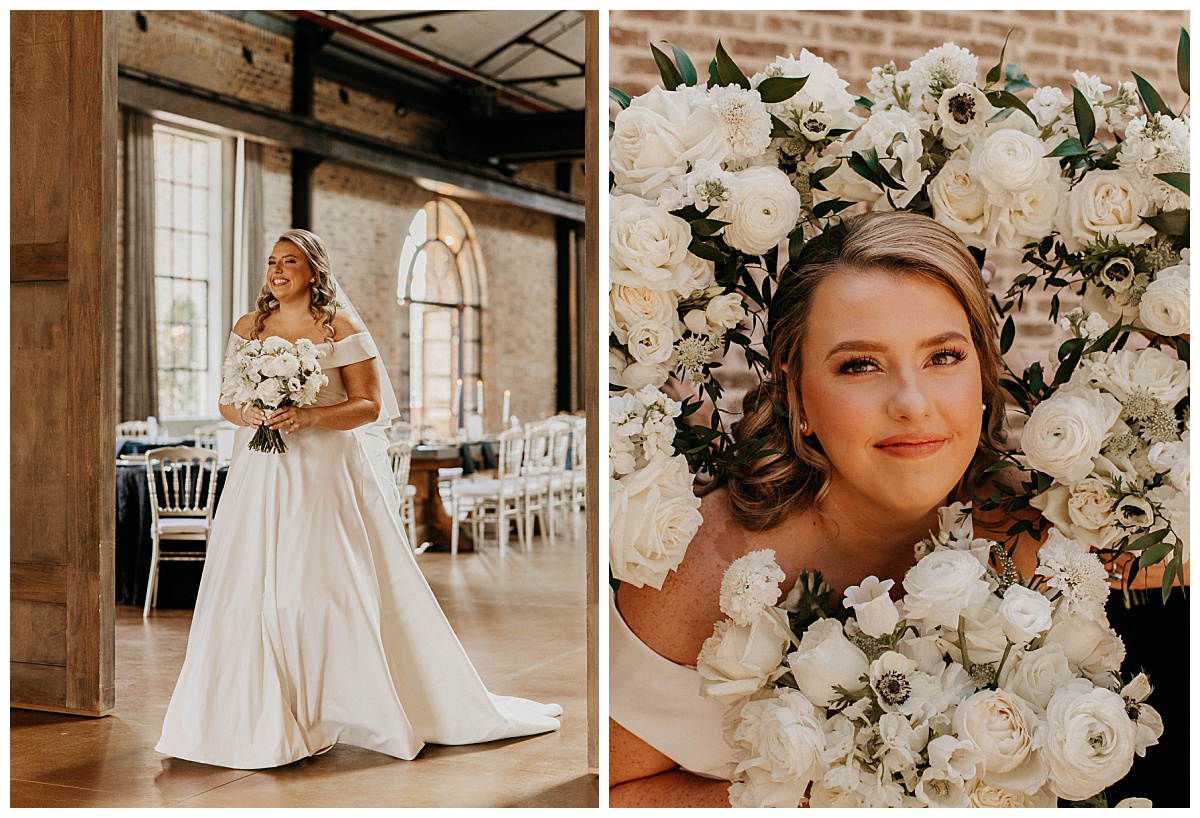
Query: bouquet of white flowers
(270, 374)
(977, 688)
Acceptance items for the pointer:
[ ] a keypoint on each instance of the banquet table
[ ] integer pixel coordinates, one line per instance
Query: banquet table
(178, 581)
(433, 523)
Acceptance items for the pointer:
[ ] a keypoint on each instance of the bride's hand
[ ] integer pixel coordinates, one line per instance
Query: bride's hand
(288, 419)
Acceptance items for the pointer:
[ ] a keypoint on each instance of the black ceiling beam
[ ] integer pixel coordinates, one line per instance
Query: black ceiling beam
(363, 72)
(147, 92)
(578, 75)
(527, 138)
(407, 15)
(520, 38)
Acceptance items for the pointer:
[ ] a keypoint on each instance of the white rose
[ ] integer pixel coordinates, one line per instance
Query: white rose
(1092, 648)
(874, 610)
(1023, 189)
(984, 631)
(1066, 431)
(648, 247)
(658, 137)
(958, 202)
(1083, 511)
(632, 304)
(1088, 740)
(1105, 203)
(1035, 675)
(696, 321)
(879, 132)
(737, 660)
(275, 344)
(782, 735)
(653, 515)
(826, 659)
(1024, 614)
(762, 212)
(725, 311)
(989, 797)
(269, 392)
(637, 375)
(1094, 300)
(1002, 726)
(1165, 307)
(942, 585)
(650, 343)
(1149, 370)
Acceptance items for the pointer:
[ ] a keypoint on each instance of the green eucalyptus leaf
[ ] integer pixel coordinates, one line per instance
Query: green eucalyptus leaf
(1007, 99)
(1084, 118)
(795, 247)
(671, 77)
(779, 89)
(727, 69)
(1150, 98)
(993, 75)
(863, 102)
(706, 227)
(821, 174)
(1179, 181)
(1068, 147)
(686, 69)
(779, 128)
(1183, 61)
(620, 97)
(1152, 555)
(831, 207)
(1172, 223)
(1184, 350)
(705, 251)
(1169, 579)
(1007, 334)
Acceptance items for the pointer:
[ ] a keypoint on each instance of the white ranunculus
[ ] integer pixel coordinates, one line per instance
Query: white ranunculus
(756, 788)
(989, 797)
(275, 344)
(782, 735)
(1035, 675)
(942, 585)
(1092, 648)
(958, 202)
(1088, 740)
(1023, 188)
(737, 660)
(762, 212)
(1149, 370)
(632, 304)
(1165, 307)
(1066, 431)
(725, 311)
(269, 392)
(826, 659)
(650, 342)
(1024, 614)
(653, 515)
(1107, 203)
(874, 610)
(660, 136)
(1002, 727)
(648, 247)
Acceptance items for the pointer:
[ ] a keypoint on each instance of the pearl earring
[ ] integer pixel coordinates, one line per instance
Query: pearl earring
(803, 426)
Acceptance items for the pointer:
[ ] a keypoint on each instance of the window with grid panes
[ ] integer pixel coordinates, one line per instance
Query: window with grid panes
(187, 279)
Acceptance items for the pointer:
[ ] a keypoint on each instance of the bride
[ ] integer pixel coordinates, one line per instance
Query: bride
(884, 356)
(313, 623)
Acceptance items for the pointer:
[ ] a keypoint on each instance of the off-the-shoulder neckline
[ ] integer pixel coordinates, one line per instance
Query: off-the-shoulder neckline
(330, 342)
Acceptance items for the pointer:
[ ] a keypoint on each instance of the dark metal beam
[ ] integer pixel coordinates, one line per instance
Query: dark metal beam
(522, 37)
(534, 137)
(146, 92)
(407, 15)
(578, 75)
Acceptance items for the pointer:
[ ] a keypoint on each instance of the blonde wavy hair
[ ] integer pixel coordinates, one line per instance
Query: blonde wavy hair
(795, 474)
(321, 303)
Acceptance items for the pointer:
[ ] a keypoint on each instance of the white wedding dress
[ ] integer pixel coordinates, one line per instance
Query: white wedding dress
(313, 623)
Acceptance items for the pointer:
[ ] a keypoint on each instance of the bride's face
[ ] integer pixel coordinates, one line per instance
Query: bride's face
(891, 388)
(288, 272)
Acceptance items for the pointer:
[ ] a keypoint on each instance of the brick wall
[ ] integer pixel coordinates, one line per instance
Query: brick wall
(364, 215)
(1048, 44)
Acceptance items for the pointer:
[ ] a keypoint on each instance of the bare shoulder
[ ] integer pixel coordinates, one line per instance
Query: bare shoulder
(244, 325)
(675, 620)
(345, 324)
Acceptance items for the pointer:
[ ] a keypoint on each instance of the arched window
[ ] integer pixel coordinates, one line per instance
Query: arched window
(441, 281)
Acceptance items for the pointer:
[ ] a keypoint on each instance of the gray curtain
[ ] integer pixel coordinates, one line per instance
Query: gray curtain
(139, 349)
(254, 255)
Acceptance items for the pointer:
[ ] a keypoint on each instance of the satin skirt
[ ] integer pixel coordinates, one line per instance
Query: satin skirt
(314, 625)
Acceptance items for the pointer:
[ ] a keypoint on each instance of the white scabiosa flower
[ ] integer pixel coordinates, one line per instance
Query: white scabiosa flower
(1076, 573)
(747, 123)
(750, 585)
(941, 68)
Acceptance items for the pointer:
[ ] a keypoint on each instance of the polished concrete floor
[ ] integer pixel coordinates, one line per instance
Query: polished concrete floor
(521, 620)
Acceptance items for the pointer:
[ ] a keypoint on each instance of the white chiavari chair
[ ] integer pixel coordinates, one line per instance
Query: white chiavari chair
(400, 455)
(479, 501)
(183, 490)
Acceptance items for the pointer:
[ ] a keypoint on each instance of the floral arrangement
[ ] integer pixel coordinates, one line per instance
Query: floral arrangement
(978, 688)
(718, 184)
(270, 374)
